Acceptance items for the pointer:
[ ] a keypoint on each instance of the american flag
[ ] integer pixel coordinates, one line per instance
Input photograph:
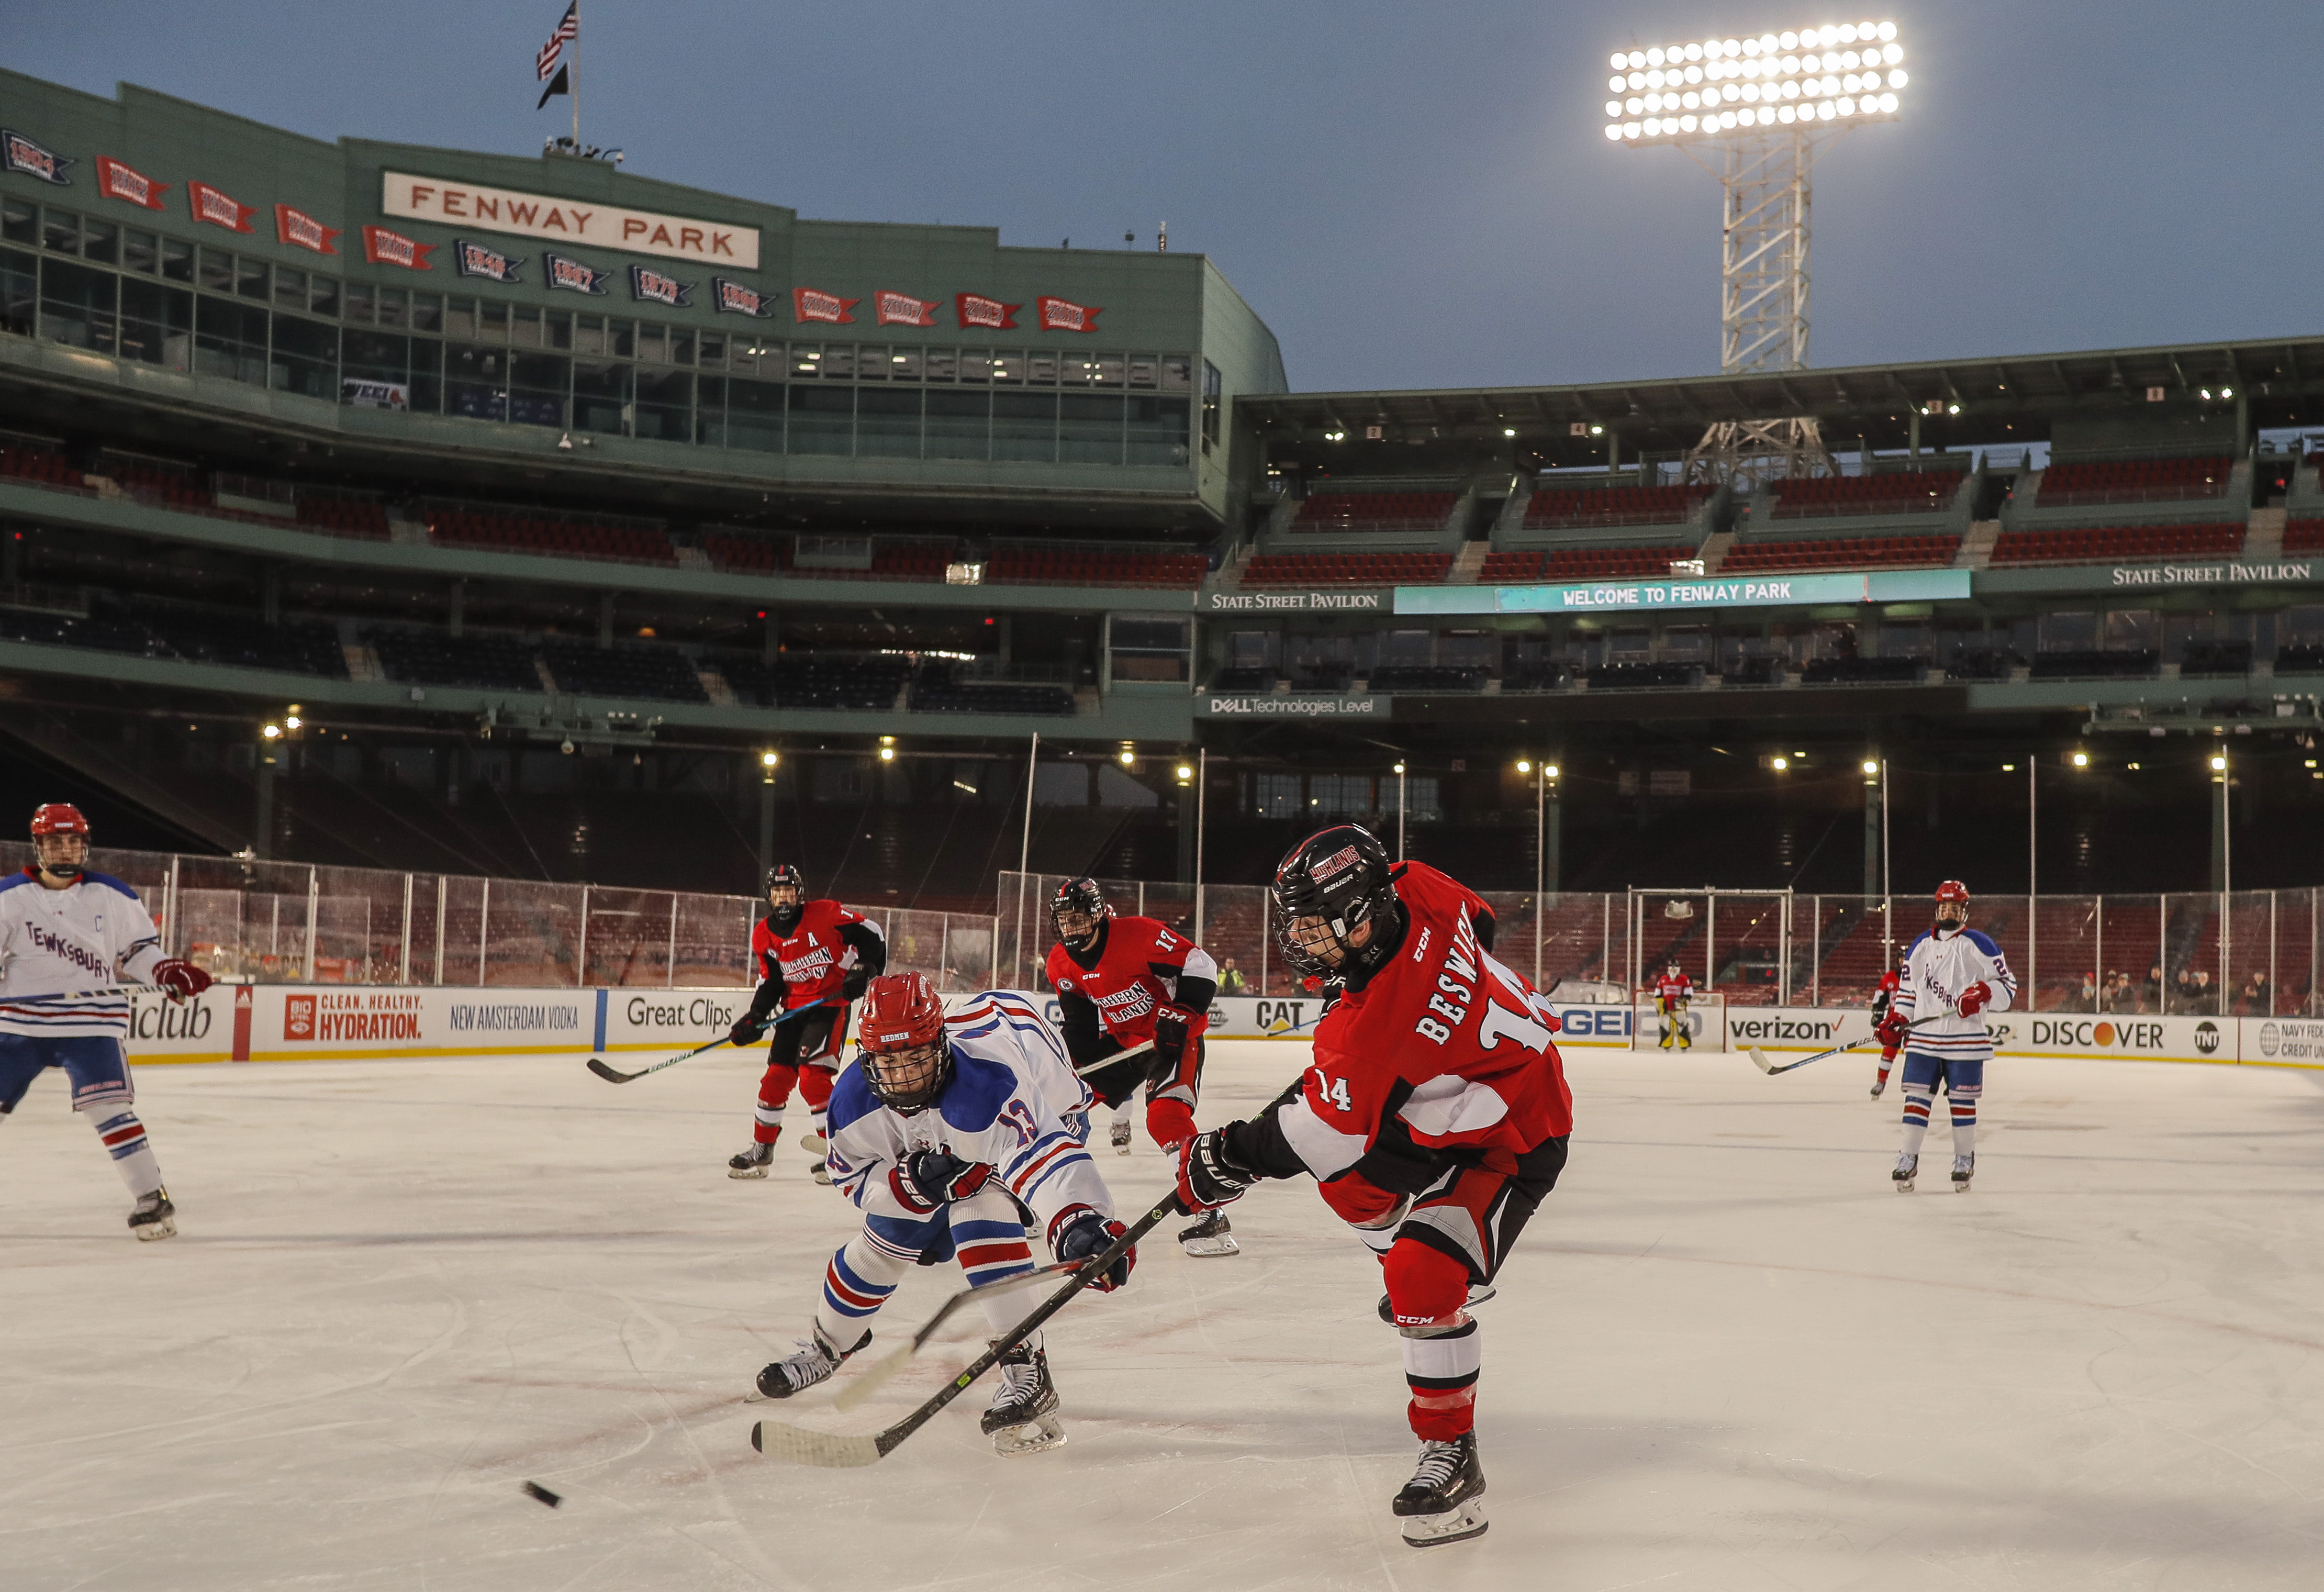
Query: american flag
(571, 28)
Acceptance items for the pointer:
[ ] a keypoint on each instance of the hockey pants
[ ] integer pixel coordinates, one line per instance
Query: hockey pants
(985, 1232)
(1171, 1093)
(806, 1053)
(97, 1070)
(1457, 1232)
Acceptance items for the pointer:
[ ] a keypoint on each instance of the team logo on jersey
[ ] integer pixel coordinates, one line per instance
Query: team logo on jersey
(20, 153)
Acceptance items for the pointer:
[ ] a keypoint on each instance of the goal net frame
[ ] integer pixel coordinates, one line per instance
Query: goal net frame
(1683, 924)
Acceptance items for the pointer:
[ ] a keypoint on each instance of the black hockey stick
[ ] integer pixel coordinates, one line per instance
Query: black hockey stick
(834, 1451)
(597, 1064)
(1760, 1057)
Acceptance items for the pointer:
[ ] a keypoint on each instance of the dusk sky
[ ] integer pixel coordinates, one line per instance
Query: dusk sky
(1410, 196)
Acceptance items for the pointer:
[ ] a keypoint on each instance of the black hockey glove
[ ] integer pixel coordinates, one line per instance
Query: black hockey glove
(851, 987)
(927, 1178)
(1209, 1175)
(1080, 1234)
(746, 1030)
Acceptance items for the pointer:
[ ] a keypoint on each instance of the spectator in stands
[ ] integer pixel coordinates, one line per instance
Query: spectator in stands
(2089, 992)
(2154, 989)
(2257, 999)
(2123, 996)
(2182, 991)
(1230, 979)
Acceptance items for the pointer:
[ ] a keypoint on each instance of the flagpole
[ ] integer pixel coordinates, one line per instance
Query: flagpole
(576, 77)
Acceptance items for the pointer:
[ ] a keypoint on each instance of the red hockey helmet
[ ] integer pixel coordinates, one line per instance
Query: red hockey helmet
(59, 818)
(60, 838)
(1952, 893)
(905, 1056)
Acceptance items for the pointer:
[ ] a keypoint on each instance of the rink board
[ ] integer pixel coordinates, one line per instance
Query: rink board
(338, 1022)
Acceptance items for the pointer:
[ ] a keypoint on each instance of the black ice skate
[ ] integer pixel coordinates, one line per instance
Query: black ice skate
(818, 1358)
(155, 1217)
(1023, 1417)
(753, 1163)
(1210, 1235)
(1964, 1169)
(1908, 1167)
(1444, 1500)
(1117, 1135)
(1479, 1292)
(821, 1173)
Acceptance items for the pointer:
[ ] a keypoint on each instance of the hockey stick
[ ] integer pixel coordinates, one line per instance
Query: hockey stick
(889, 1364)
(615, 1075)
(1760, 1057)
(836, 1451)
(1102, 1062)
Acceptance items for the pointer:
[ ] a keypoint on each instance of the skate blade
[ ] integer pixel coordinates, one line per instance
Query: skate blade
(165, 1228)
(1215, 1244)
(1032, 1438)
(1961, 1187)
(821, 1174)
(825, 1450)
(1904, 1185)
(746, 1171)
(1454, 1525)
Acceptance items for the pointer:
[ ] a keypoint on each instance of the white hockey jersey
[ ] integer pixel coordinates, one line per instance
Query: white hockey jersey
(1013, 1103)
(1936, 970)
(63, 954)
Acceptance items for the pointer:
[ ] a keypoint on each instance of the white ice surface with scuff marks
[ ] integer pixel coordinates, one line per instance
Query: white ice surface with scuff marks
(1725, 1356)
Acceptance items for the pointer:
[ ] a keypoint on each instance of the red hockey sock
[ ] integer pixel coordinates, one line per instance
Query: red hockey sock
(774, 1094)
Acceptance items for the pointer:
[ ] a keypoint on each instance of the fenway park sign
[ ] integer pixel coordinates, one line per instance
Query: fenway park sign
(474, 207)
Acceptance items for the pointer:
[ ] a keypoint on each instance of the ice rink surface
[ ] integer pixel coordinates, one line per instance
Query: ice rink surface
(1725, 1356)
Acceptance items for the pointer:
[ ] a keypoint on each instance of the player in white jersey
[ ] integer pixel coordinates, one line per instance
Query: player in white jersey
(68, 937)
(949, 1134)
(1953, 977)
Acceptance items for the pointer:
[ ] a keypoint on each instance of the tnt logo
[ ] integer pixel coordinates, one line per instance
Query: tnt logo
(299, 1017)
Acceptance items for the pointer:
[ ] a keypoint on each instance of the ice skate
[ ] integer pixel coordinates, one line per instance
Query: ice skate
(1444, 1500)
(821, 1172)
(1117, 1135)
(1023, 1417)
(1908, 1167)
(752, 1162)
(155, 1217)
(818, 1358)
(1964, 1169)
(1479, 1292)
(1210, 1235)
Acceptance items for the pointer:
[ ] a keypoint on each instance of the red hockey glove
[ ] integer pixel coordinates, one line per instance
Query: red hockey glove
(927, 1178)
(1975, 999)
(1080, 1232)
(180, 978)
(1208, 1176)
(1890, 1032)
(1169, 1122)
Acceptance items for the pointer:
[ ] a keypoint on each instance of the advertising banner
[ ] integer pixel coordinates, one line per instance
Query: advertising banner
(976, 309)
(1293, 704)
(1299, 602)
(219, 209)
(658, 287)
(33, 159)
(1765, 592)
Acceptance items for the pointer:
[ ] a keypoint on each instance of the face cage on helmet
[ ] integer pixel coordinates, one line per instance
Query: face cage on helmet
(910, 1076)
(1059, 915)
(64, 854)
(1310, 960)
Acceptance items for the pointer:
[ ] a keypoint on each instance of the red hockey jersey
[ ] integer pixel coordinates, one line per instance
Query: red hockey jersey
(1443, 1039)
(1671, 989)
(815, 957)
(1138, 965)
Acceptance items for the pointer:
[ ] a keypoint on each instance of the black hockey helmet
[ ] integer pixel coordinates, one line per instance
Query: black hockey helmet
(1326, 888)
(1083, 904)
(784, 912)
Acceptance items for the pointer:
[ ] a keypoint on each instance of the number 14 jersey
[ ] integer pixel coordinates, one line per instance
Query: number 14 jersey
(1443, 1040)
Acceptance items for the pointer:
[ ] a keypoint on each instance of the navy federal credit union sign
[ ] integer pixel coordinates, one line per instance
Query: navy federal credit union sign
(1765, 592)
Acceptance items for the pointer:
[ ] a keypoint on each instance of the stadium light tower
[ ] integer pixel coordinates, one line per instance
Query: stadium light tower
(1755, 113)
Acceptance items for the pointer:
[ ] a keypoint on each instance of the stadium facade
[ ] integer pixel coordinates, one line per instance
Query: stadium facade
(552, 500)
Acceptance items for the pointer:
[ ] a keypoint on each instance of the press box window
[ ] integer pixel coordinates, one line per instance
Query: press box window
(1213, 390)
(1148, 649)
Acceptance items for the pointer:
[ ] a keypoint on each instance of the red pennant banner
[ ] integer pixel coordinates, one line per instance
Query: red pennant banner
(1064, 315)
(383, 247)
(116, 180)
(298, 228)
(814, 304)
(211, 206)
(976, 309)
(903, 310)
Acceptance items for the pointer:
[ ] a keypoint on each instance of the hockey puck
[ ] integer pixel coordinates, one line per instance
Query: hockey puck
(535, 1490)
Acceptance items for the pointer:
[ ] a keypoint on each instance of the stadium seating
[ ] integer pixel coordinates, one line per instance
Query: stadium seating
(1582, 563)
(936, 691)
(1861, 671)
(1375, 510)
(204, 636)
(483, 663)
(1426, 677)
(1615, 505)
(2137, 480)
(1243, 680)
(551, 538)
(161, 488)
(1407, 568)
(844, 682)
(658, 674)
(2135, 664)
(2126, 541)
(1902, 492)
(343, 516)
(1842, 552)
(2300, 658)
(103, 634)
(1073, 565)
(1631, 676)
(1983, 663)
(2304, 536)
(747, 555)
(38, 464)
(2216, 657)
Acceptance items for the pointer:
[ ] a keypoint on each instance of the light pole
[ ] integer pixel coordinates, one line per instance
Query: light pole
(1542, 775)
(1399, 809)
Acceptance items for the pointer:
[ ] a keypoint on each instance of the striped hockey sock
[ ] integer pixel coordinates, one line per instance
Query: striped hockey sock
(124, 1137)
(1440, 1366)
(1916, 1121)
(1964, 1126)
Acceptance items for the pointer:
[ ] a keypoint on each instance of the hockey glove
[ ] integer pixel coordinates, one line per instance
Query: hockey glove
(927, 1178)
(1172, 1029)
(180, 978)
(1890, 1032)
(1975, 999)
(746, 1031)
(1080, 1232)
(1168, 1122)
(851, 987)
(1209, 1175)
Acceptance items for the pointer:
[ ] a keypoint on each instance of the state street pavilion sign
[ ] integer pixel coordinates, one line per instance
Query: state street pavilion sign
(1767, 591)
(472, 207)
(1299, 602)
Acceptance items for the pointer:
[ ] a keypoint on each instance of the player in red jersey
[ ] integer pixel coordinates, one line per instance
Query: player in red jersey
(1123, 985)
(1673, 991)
(1888, 1030)
(808, 953)
(1435, 1120)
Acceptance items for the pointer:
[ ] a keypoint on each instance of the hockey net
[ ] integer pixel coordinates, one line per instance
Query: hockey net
(1705, 1019)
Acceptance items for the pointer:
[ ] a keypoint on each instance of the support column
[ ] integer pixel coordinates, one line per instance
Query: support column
(605, 620)
(458, 615)
(262, 842)
(1872, 797)
(270, 595)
